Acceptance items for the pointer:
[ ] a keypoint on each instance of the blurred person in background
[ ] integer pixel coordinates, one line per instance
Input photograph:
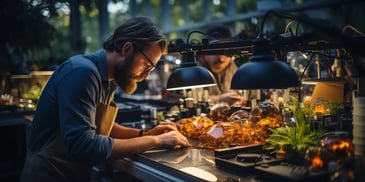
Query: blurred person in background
(223, 67)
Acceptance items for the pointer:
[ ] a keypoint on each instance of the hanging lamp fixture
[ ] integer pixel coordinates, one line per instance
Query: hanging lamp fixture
(263, 71)
(189, 75)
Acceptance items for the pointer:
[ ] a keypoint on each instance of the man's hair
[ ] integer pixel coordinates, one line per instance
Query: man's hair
(141, 31)
(218, 32)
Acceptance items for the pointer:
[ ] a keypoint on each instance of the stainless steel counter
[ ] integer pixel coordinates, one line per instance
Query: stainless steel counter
(171, 165)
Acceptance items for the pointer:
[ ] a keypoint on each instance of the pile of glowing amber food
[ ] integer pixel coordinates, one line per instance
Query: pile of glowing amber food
(240, 128)
(195, 126)
(220, 135)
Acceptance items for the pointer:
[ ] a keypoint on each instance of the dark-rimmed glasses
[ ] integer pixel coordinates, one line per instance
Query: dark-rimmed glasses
(149, 68)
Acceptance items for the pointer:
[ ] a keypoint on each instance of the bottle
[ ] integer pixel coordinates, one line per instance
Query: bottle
(153, 116)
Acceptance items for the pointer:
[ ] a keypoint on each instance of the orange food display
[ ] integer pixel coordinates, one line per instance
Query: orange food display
(220, 135)
(240, 115)
(342, 148)
(251, 133)
(220, 112)
(195, 126)
(248, 132)
(267, 115)
(240, 128)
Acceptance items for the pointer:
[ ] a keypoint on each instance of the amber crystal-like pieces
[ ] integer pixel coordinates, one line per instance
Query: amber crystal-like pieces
(222, 130)
(195, 126)
(240, 115)
(220, 135)
(219, 112)
(267, 115)
(342, 148)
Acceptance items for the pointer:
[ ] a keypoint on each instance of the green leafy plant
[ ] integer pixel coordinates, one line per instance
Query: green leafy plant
(334, 107)
(296, 138)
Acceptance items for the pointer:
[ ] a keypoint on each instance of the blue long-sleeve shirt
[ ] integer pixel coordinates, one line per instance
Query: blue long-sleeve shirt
(68, 104)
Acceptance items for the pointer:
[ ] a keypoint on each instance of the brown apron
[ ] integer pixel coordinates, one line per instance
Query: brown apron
(52, 162)
(105, 117)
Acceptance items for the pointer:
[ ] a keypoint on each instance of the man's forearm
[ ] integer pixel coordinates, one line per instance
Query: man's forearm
(122, 132)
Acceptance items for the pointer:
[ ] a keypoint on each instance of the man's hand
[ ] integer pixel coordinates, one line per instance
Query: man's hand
(173, 139)
(169, 135)
(162, 128)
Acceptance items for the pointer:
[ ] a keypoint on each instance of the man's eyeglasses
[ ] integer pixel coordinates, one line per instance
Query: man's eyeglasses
(151, 67)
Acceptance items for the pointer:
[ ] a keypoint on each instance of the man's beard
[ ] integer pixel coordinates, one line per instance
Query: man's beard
(123, 75)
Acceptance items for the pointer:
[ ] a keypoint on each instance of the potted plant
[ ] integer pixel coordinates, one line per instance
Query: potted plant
(292, 141)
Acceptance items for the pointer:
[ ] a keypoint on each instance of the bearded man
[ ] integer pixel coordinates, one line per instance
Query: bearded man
(73, 126)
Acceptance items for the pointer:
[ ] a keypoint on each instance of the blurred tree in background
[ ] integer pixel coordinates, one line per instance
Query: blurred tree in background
(42, 32)
(39, 32)
(25, 31)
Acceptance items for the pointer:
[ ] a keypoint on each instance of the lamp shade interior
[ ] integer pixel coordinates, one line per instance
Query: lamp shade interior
(264, 75)
(190, 77)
